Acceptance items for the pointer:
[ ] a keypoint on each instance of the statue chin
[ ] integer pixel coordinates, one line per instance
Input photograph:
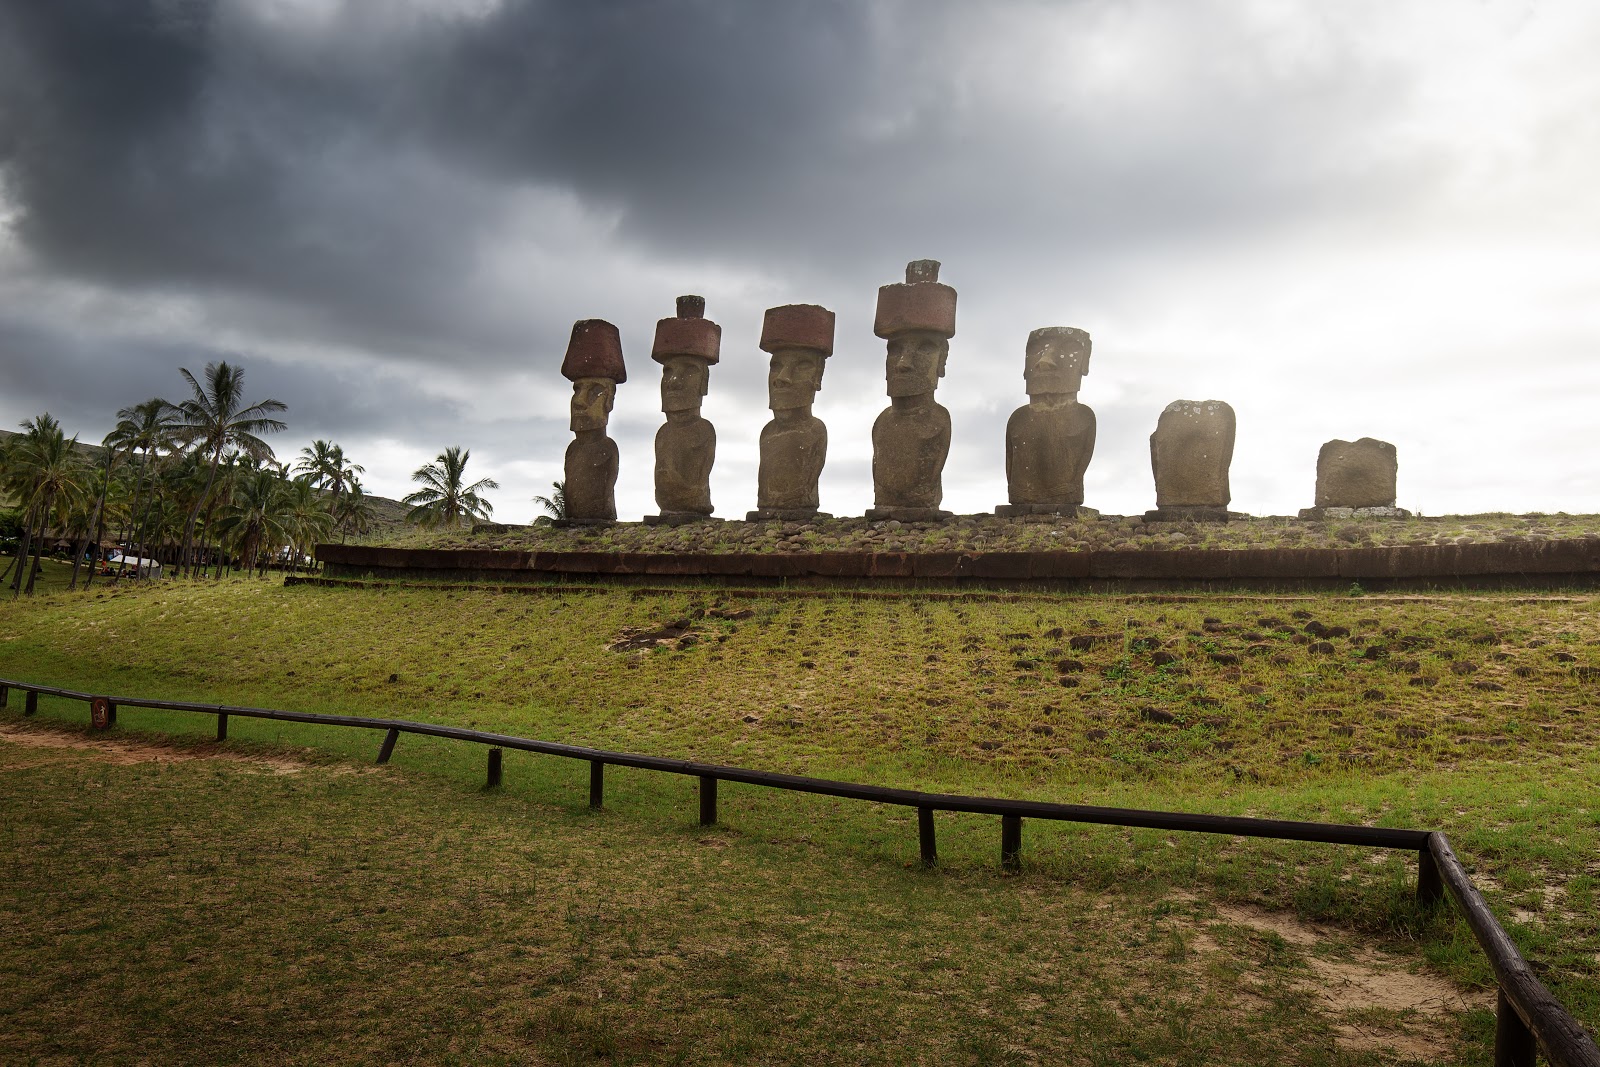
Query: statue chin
(581, 423)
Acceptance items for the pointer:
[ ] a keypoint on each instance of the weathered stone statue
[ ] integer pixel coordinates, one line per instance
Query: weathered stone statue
(1356, 479)
(1050, 440)
(794, 445)
(1190, 453)
(911, 439)
(594, 365)
(686, 444)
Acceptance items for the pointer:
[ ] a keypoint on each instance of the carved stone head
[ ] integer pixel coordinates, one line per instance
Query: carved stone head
(684, 380)
(916, 362)
(591, 403)
(1057, 359)
(793, 377)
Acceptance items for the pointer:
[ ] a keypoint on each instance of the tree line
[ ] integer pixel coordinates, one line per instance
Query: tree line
(194, 486)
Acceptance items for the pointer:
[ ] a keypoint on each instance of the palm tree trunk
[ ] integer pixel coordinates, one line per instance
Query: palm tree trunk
(38, 546)
(94, 519)
(194, 515)
(79, 547)
(136, 526)
(22, 552)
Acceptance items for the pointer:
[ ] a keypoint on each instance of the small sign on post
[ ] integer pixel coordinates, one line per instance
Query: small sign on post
(102, 713)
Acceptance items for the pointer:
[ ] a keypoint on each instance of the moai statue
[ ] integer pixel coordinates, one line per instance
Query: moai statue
(1050, 440)
(686, 444)
(911, 438)
(1356, 479)
(794, 445)
(1190, 453)
(594, 365)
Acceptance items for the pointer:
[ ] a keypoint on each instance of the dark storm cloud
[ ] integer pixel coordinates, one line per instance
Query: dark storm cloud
(353, 171)
(391, 212)
(84, 379)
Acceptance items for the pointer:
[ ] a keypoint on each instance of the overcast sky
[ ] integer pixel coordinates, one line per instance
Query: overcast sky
(1345, 219)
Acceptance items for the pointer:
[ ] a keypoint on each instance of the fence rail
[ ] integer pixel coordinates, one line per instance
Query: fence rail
(1528, 1018)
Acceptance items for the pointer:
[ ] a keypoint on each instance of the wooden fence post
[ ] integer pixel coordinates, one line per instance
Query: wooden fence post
(5, 695)
(925, 837)
(495, 757)
(222, 726)
(1011, 842)
(1430, 886)
(31, 704)
(388, 745)
(708, 801)
(1513, 1041)
(597, 783)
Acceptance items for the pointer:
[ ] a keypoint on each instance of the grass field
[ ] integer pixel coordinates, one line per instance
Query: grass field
(1475, 715)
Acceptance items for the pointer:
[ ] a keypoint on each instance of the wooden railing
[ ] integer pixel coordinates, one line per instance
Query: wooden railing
(1528, 1018)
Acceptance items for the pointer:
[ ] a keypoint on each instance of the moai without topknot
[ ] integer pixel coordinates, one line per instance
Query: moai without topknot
(1190, 453)
(594, 366)
(1356, 479)
(1050, 440)
(686, 445)
(794, 445)
(911, 438)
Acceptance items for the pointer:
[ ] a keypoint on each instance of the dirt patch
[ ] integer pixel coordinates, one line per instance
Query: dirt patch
(127, 751)
(1376, 1000)
(674, 635)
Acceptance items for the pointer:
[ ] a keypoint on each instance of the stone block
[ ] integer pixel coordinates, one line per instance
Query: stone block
(808, 326)
(921, 302)
(594, 351)
(1357, 474)
(688, 333)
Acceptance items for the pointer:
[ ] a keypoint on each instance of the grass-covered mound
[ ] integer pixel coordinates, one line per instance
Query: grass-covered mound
(990, 534)
(1475, 715)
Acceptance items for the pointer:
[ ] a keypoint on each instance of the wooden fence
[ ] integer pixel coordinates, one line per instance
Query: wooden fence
(1528, 1020)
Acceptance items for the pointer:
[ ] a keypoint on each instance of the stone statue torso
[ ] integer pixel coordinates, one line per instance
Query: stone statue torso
(1047, 452)
(684, 454)
(792, 455)
(908, 453)
(591, 478)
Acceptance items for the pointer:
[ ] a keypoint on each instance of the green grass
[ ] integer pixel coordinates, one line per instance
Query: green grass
(227, 911)
(962, 695)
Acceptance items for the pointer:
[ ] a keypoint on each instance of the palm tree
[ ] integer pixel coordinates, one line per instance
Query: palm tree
(216, 419)
(147, 428)
(46, 473)
(324, 462)
(556, 503)
(352, 513)
(255, 516)
(308, 517)
(86, 522)
(444, 499)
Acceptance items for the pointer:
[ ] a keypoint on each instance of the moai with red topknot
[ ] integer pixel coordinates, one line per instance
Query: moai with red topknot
(594, 366)
(686, 346)
(794, 445)
(911, 438)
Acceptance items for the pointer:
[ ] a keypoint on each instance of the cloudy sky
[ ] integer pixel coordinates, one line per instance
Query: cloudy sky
(1353, 219)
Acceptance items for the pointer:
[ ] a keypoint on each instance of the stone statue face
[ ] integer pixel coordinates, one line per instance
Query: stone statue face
(591, 403)
(793, 378)
(684, 380)
(916, 362)
(1053, 369)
